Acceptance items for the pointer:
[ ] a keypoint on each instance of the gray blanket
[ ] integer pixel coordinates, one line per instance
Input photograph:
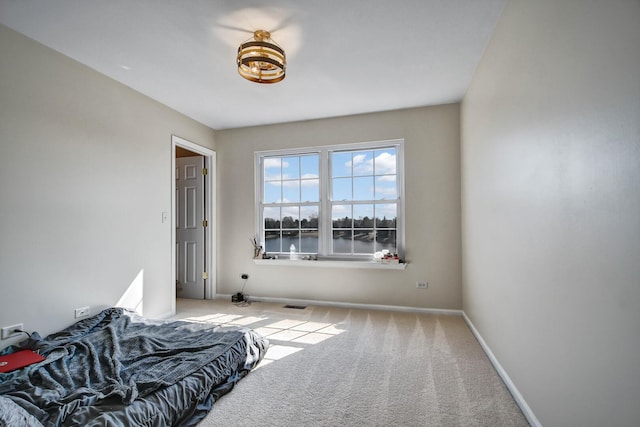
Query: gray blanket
(114, 359)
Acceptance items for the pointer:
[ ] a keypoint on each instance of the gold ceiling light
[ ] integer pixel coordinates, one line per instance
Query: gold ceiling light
(261, 60)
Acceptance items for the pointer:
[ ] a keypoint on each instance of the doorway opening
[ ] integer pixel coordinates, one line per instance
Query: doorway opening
(193, 267)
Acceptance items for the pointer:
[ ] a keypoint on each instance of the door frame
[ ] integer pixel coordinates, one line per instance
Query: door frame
(210, 213)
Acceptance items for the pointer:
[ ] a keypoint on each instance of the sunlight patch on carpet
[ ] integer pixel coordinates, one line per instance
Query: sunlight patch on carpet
(287, 331)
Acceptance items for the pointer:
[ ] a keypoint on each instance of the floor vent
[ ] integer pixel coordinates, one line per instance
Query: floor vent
(297, 307)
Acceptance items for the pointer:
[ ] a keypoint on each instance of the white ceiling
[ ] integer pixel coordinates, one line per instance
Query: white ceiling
(343, 56)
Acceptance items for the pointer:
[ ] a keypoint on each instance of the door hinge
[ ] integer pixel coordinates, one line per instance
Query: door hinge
(205, 171)
(205, 275)
(205, 223)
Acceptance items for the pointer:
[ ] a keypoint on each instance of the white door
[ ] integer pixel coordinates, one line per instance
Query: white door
(190, 227)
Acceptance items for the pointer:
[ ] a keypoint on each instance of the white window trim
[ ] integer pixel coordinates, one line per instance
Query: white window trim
(324, 224)
(323, 263)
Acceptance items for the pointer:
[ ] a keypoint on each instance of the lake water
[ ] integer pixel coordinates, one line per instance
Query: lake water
(340, 246)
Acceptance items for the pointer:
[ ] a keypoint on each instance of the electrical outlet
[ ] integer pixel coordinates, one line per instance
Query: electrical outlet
(82, 312)
(422, 285)
(11, 331)
(244, 276)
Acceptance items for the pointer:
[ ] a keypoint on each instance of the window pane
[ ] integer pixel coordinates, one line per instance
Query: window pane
(309, 241)
(290, 191)
(310, 182)
(271, 218)
(272, 168)
(272, 241)
(362, 163)
(342, 241)
(385, 163)
(363, 242)
(341, 164)
(363, 188)
(291, 217)
(310, 166)
(290, 237)
(342, 189)
(290, 167)
(272, 191)
(386, 215)
(341, 216)
(386, 187)
(363, 216)
(310, 190)
(386, 239)
(309, 217)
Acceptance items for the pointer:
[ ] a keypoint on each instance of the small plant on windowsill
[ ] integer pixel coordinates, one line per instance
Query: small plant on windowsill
(257, 247)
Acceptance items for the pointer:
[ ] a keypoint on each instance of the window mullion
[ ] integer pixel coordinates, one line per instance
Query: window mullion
(259, 196)
(324, 245)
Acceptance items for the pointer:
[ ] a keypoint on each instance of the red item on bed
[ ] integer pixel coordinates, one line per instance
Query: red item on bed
(19, 359)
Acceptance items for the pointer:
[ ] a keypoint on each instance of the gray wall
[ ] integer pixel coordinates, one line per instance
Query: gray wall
(551, 207)
(85, 172)
(432, 167)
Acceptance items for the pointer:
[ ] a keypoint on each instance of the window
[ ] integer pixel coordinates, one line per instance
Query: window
(340, 201)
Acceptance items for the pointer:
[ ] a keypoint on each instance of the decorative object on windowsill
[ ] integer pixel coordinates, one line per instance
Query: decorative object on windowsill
(385, 257)
(293, 255)
(261, 60)
(257, 247)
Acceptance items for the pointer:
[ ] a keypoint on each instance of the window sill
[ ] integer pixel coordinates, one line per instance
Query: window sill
(332, 264)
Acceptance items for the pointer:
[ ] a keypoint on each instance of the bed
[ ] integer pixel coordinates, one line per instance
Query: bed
(120, 369)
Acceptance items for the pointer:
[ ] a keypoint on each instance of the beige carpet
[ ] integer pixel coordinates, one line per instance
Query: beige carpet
(349, 367)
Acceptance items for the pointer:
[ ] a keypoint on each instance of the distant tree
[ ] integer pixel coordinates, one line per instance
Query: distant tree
(312, 222)
(271, 223)
(289, 222)
(364, 222)
(386, 223)
(342, 222)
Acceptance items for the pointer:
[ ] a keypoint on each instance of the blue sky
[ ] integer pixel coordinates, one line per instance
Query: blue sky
(357, 175)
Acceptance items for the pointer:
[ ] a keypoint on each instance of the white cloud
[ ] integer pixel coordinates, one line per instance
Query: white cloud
(389, 211)
(387, 178)
(310, 183)
(385, 163)
(298, 183)
(360, 165)
(291, 211)
(386, 191)
(340, 211)
(274, 162)
(358, 159)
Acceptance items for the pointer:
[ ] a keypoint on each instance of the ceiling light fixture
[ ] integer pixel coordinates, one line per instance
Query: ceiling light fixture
(261, 60)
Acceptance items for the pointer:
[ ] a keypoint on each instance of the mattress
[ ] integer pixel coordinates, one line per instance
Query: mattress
(120, 369)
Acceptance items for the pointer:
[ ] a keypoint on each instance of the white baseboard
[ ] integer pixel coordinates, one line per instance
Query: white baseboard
(294, 301)
(526, 410)
(166, 315)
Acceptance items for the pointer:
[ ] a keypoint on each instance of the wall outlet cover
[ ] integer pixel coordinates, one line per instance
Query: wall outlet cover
(82, 312)
(11, 331)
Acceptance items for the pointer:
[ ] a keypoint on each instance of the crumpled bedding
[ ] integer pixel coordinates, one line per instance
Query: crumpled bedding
(12, 415)
(118, 368)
